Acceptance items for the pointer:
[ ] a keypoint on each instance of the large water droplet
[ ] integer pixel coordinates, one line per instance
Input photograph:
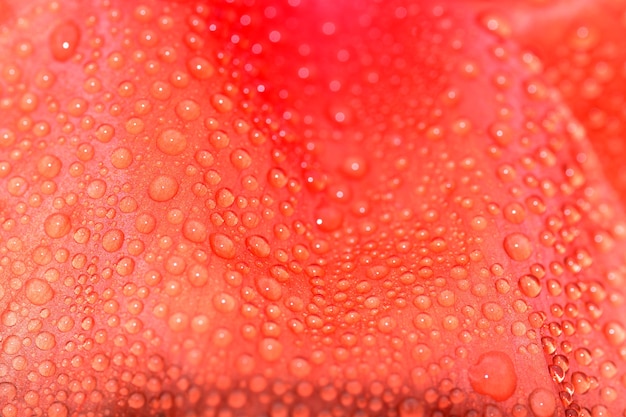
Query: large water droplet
(64, 40)
(542, 402)
(38, 291)
(494, 375)
(518, 246)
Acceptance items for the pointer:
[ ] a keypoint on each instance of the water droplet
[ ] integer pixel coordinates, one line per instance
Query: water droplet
(171, 142)
(49, 166)
(518, 246)
(354, 167)
(270, 349)
(113, 240)
(224, 303)
(188, 110)
(45, 341)
(136, 400)
(96, 189)
(614, 333)
(17, 186)
(542, 402)
(38, 291)
(494, 375)
(328, 219)
(195, 231)
(514, 213)
(57, 225)
(299, 367)
(258, 246)
(121, 158)
(269, 288)
(57, 409)
(64, 40)
(411, 407)
(222, 246)
(163, 188)
(492, 311)
(529, 285)
(145, 223)
(221, 103)
(200, 68)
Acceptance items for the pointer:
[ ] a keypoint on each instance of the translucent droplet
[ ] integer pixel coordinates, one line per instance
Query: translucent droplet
(38, 291)
(222, 246)
(64, 40)
(518, 246)
(270, 349)
(542, 402)
(195, 231)
(614, 333)
(258, 246)
(494, 375)
(57, 225)
(171, 142)
(163, 188)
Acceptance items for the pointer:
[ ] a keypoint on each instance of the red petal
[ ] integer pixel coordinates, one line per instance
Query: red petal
(306, 209)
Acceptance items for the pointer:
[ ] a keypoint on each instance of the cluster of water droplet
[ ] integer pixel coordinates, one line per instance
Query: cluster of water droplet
(185, 232)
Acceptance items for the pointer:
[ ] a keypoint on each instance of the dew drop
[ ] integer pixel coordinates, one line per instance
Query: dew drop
(224, 303)
(299, 367)
(411, 407)
(57, 225)
(200, 68)
(64, 40)
(492, 311)
(354, 167)
(328, 219)
(188, 110)
(171, 142)
(49, 166)
(163, 188)
(195, 231)
(269, 288)
(145, 223)
(222, 246)
(221, 103)
(121, 158)
(494, 375)
(96, 189)
(514, 213)
(38, 291)
(529, 285)
(136, 400)
(270, 349)
(614, 333)
(57, 409)
(113, 240)
(45, 341)
(258, 246)
(197, 275)
(542, 402)
(518, 246)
